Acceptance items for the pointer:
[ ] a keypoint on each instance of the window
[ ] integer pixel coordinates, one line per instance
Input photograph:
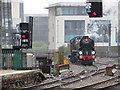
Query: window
(74, 28)
(59, 11)
(81, 10)
(99, 30)
(65, 10)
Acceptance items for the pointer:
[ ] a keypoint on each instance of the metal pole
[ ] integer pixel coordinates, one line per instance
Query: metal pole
(60, 80)
(102, 38)
(54, 67)
(109, 40)
(30, 31)
(0, 42)
(0, 34)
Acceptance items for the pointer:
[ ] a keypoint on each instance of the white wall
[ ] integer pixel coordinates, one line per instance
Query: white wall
(58, 30)
(15, 10)
(60, 27)
(52, 26)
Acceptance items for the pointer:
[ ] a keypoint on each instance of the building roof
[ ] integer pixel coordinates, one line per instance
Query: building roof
(60, 4)
(19, 1)
(36, 15)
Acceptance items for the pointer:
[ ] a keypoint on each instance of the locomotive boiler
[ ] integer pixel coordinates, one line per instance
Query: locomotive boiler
(82, 50)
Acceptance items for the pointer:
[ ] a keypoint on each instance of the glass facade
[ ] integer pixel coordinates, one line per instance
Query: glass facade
(6, 25)
(81, 10)
(99, 30)
(74, 28)
(21, 12)
(40, 26)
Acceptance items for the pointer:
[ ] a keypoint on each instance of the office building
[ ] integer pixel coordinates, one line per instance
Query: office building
(70, 19)
(40, 27)
(12, 15)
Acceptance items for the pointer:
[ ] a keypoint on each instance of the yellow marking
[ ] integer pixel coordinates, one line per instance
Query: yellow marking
(65, 61)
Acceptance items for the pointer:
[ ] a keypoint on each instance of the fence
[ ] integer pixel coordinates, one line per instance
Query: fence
(12, 59)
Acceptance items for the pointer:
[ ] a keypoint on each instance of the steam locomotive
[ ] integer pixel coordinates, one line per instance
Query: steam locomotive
(82, 50)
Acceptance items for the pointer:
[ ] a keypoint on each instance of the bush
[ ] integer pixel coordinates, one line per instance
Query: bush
(39, 46)
(64, 49)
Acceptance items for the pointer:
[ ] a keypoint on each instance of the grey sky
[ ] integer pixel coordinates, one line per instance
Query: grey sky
(37, 6)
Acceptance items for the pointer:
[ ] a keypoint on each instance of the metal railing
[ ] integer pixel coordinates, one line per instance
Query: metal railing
(12, 59)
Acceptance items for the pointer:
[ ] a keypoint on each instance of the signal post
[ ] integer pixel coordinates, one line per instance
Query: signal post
(26, 37)
(0, 33)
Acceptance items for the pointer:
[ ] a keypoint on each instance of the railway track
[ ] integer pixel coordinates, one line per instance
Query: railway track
(66, 80)
(115, 86)
(100, 71)
(74, 80)
(102, 84)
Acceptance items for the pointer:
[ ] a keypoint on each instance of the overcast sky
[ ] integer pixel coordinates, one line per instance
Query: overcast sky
(37, 6)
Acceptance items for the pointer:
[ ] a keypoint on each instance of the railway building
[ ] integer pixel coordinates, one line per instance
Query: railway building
(70, 19)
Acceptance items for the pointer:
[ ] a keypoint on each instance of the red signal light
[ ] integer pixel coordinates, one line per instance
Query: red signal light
(94, 13)
(23, 36)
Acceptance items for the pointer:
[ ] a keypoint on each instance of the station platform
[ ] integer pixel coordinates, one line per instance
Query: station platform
(11, 79)
(13, 72)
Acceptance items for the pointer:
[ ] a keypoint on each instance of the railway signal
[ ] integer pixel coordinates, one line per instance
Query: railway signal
(24, 35)
(94, 8)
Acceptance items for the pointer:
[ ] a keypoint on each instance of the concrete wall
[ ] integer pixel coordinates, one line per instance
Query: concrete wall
(105, 51)
(52, 26)
(60, 28)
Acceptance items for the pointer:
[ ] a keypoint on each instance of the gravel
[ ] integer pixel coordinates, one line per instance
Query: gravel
(78, 68)
(88, 81)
